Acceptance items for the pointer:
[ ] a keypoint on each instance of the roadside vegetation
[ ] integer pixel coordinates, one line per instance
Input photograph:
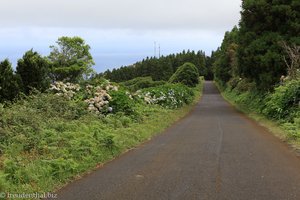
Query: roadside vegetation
(279, 111)
(59, 119)
(62, 125)
(257, 66)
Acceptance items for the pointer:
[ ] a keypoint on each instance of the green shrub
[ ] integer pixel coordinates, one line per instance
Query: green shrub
(23, 122)
(121, 102)
(168, 96)
(136, 80)
(297, 123)
(232, 83)
(3, 182)
(62, 168)
(253, 100)
(113, 121)
(244, 85)
(126, 121)
(96, 81)
(293, 128)
(283, 104)
(45, 139)
(108, 142)
(141, 82)
(186, 74)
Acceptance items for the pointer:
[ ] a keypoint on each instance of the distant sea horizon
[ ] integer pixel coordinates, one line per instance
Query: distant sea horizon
(103, 62)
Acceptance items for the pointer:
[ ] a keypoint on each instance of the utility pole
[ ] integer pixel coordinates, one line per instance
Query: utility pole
(158, 50)
(154, 49)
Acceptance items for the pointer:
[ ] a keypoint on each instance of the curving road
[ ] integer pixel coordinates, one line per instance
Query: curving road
(213, 153)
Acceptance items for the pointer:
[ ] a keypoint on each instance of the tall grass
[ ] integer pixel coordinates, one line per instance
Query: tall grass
(47, 141)
(279, 110)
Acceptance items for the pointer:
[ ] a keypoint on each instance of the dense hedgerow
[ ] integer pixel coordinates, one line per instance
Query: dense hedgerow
(284, 102)
(168, 96)
(122, 101)
(48, 138)
(241, 84)
(141, 82)
(95, 96)
(282, 105)
(186, 74)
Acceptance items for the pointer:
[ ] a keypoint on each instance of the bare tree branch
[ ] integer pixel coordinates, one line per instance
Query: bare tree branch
(293, 52)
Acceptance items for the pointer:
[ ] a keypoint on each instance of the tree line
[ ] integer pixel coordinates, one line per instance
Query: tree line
(69, 60)
(263, 48)
(160, 69)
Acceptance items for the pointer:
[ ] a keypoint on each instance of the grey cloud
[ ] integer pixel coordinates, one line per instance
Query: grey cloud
(121, 14)
(119, 31)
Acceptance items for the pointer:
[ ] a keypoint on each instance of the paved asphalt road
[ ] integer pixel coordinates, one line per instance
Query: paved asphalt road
(213, 153)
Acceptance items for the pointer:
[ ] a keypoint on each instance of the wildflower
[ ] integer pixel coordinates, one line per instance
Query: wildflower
(67, 90)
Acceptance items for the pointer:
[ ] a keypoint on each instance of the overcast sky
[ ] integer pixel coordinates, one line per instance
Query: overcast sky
(120, 32)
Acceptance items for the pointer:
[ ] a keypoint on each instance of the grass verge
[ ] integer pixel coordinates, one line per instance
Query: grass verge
(273, 126)
(47, 142)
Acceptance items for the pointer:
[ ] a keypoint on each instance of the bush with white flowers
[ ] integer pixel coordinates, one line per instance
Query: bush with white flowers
(107, 98)
(67, 90)
(168, 96)
(97, 97)
(99, 100)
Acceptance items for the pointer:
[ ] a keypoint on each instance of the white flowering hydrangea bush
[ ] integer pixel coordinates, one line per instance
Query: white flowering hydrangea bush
(168, 96)
(67, 90)
(96, 97)
(104, 97)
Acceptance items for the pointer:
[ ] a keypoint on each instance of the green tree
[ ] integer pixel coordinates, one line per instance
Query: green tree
(263, 24)
(163, 70)
(71, 59)
(209, 60)
(186, 74)
(9, 87)
(158, 68)
(225, 63)
(200, 62)
(33, 70)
